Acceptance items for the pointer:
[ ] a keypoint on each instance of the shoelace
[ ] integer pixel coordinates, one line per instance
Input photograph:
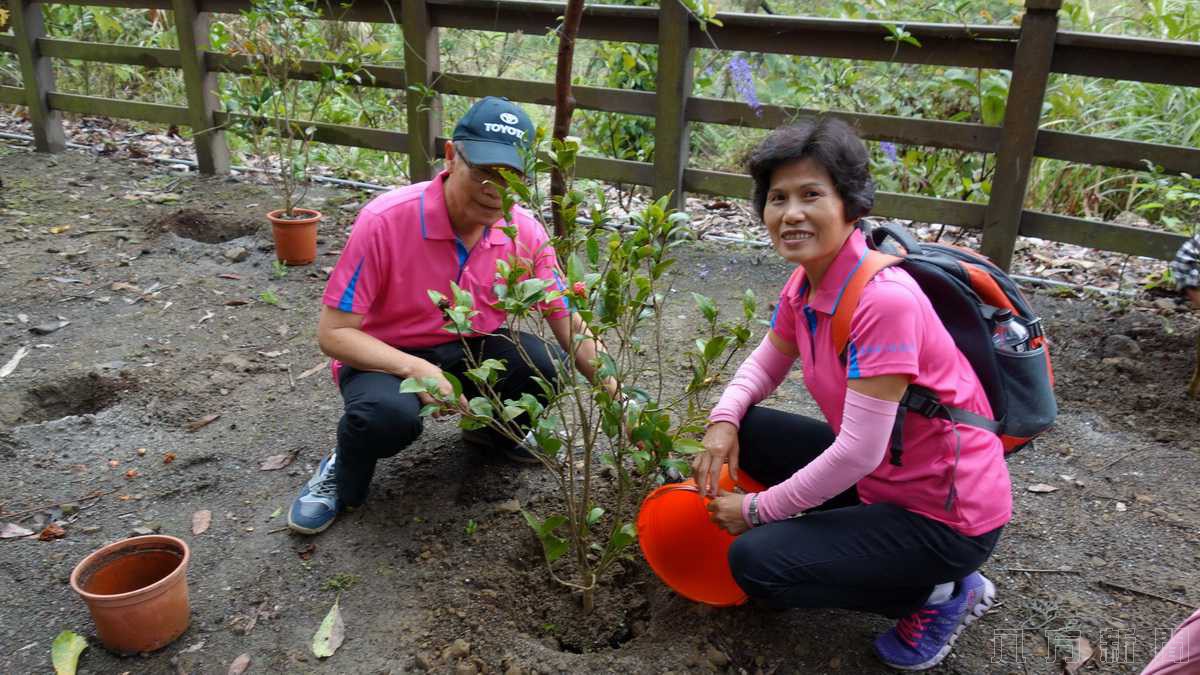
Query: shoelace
(327, 486)
(911, 627)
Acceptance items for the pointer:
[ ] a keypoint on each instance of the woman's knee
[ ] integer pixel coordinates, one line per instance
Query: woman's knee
(747, 566)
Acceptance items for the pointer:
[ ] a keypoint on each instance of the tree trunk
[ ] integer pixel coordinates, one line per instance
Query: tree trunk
(564, 102)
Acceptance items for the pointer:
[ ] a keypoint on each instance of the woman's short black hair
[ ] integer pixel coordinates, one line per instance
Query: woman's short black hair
(830, 142)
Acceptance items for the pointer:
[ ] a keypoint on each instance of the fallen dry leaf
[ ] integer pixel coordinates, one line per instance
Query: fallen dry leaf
(239, 665)
(201, 521)
(168, 457)
(52, 531)
(13, 530)
(114, 463)
(313, 371)
(125, 498)
(273, 354)
(202, 422)
(1042, 488)
(123, 286)
(141, 452)
(330, 635)
(236, 302)
(229, 275)
(132, 473)
(1083, 654)
(277, 461)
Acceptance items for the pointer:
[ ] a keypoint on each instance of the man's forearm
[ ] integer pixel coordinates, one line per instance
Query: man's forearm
(360, 351)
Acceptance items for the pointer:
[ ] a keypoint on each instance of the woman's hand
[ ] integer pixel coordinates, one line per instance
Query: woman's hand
(720, 447)
(726, 512)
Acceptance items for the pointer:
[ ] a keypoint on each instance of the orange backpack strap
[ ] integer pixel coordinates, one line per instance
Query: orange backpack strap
(872, 262)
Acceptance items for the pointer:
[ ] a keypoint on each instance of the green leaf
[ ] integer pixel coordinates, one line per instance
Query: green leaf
(707, 308)
(714, 347)
(330, 634)
(623, 537)
(688, 446)
(429, 409)
(65, 651)
(593, 250)
(481, 406)
(555, 547)
(411, 385)
(455, 383)
(594, 515)
(749, 304)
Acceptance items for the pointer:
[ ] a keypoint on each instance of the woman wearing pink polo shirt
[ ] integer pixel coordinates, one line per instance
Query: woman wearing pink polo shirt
(900, 534)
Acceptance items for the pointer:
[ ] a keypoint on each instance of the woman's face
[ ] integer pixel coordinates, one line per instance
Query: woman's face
(805, 217)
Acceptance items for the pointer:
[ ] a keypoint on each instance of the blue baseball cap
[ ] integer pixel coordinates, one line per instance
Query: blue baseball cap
(494, 132)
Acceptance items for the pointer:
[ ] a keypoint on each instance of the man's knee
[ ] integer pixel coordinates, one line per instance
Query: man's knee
(387, 423)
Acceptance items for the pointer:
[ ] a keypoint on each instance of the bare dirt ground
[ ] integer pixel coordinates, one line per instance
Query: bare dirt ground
(175, 314)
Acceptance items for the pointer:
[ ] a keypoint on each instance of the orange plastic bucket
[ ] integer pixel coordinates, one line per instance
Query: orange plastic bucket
(686, 549)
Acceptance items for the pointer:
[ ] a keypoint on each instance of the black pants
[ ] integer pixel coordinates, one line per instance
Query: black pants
(378, 421)
(843, 554)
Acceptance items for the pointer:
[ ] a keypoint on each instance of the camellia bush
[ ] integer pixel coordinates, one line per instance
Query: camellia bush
(606, 441)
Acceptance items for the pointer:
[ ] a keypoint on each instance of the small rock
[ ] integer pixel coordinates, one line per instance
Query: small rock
(514, 670)
(716, 657)
(835, 663)
(510, 506)
(69, 509)
(1120, 363)
(465, 668)
(456, 650)
(141, 531)
(236, 254)
(1166, 304)
(1120, 345)
(50, 327)
(426, 662)
(90, 529)
(237, 363)
(1121, 508)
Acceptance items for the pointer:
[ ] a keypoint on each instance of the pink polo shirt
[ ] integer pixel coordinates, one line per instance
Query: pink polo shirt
(402, 245)
(895, 331)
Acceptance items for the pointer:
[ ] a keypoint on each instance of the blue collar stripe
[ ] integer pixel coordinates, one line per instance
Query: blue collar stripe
(421, 205)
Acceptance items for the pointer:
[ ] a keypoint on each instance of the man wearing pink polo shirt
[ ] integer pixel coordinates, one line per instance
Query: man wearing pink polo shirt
(380, 327)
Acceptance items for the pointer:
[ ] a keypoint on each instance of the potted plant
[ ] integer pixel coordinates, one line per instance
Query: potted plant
(270, 109)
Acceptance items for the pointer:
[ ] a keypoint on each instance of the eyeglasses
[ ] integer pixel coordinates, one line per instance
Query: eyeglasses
(487, 174)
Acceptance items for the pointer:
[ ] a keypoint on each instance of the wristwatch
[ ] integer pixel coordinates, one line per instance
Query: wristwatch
(752, 511)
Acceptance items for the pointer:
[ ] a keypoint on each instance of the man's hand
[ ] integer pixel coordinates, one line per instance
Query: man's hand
(726, 512)
(426, 369)
(720, 447)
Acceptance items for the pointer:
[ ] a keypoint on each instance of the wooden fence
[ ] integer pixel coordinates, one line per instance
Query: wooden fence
(1031, 52)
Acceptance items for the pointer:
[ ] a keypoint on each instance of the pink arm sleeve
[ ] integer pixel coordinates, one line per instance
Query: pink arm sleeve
(758, 376)
(856, 452)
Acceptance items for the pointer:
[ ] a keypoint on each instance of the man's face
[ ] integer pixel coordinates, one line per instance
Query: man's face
(471, 190)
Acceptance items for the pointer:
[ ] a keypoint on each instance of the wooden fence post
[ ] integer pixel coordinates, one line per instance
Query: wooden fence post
(1014, 158)
(424, 108)
(38, 76)
(212, 150)
(673, 87)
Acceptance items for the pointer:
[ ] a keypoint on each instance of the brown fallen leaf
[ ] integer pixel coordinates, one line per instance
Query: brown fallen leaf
(114, 463)
(168, 457)
(199, 424)
(236, 302)
(239, 665)
(1042, 488)
(13, 530)
(201, 521)
(1083, 653)
(229, 275)
(307, 552)
(123, 286)
(132, 473)
(52, 531)
(277, 461)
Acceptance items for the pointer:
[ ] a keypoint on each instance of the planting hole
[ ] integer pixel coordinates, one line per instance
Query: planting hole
(202, 227)
(72, 395)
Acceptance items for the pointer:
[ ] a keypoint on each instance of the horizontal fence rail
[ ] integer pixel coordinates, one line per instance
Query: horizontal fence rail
(1037, 48)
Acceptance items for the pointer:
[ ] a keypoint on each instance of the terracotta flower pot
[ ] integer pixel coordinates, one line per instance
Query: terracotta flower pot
(136, 590)
(295, 238)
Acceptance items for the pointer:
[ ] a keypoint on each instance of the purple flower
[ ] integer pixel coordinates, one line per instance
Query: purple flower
(889, 150)
(742, 77)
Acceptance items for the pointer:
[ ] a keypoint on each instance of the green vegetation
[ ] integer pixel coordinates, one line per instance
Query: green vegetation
(1126, 110)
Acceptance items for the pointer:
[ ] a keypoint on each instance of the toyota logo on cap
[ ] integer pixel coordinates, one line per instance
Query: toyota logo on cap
(508, 118)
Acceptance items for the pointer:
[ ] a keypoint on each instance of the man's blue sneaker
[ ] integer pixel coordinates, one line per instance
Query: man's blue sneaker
(922, 639)
(318, 503)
